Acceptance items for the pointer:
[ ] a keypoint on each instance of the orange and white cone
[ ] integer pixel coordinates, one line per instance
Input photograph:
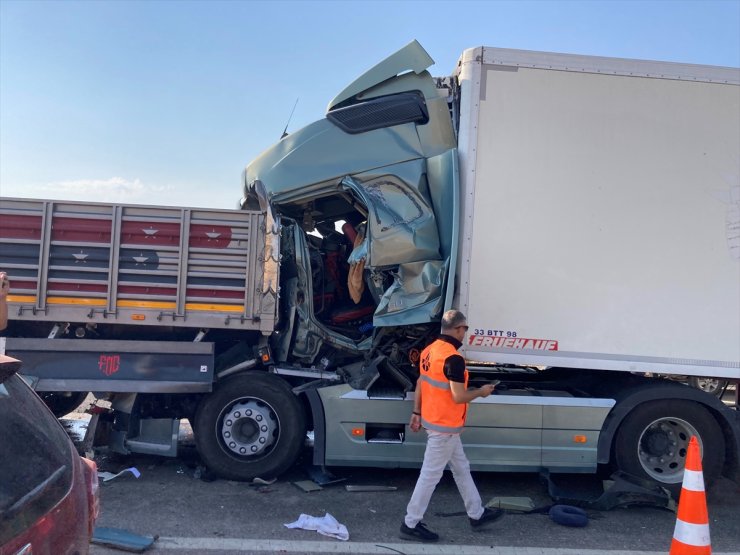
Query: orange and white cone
(691, 535)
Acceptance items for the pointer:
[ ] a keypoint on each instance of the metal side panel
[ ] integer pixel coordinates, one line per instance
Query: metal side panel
(133, 264)
(504, 433)
(550, 430)
(349, 414)
(570, 434)
(116, 366)
(509, 432)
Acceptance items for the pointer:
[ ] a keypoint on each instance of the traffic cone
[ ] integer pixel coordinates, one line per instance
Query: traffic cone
(691, 535)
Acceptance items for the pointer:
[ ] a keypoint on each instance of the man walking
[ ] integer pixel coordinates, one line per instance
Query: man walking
(440, 406)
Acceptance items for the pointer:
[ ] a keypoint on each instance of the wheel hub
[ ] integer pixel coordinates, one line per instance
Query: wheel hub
(710, 385)
(658, 443)
(248, 428)
(663, 447)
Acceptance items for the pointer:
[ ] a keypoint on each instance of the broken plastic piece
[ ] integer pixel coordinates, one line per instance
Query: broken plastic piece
(108, 476)
(623, 491)
(122, 539)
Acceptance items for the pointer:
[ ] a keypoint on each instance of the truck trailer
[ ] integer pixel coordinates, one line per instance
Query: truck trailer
(581, 211)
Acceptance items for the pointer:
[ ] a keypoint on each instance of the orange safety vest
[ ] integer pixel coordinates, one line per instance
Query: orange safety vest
(438, 411)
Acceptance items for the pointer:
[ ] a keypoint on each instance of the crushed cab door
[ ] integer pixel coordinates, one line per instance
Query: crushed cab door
(411, 231)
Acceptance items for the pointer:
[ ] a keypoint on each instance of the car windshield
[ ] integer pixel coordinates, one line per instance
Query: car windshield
(36, 462)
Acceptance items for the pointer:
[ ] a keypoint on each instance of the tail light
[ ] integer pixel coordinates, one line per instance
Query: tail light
(93, 492)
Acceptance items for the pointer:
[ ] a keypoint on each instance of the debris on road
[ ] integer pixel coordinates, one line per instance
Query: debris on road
(622, 490)
(118, 538)
(326, 526)
(512, 504)
(322, 476)
(307, 485)
(370, 488)
(108, 476)
(567, 515)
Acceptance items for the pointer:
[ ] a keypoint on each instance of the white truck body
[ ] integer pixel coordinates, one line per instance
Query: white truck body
(600, 212)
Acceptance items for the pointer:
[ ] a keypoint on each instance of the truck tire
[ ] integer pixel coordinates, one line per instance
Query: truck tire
(653, 439)
(63, 402)
(251, 425)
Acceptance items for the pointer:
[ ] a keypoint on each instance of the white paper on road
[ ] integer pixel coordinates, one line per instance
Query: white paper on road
(107, 476)
(326, 526)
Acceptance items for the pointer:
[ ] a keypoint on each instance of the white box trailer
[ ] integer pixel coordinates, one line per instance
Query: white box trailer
(601, 212)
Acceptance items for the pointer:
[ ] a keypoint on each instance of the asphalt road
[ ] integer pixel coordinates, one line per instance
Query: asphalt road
(189, 515)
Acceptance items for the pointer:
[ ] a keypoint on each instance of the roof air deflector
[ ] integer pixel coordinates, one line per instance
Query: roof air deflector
(411, 57)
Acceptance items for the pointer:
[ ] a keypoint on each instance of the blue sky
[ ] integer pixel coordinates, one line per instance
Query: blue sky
(166, 102)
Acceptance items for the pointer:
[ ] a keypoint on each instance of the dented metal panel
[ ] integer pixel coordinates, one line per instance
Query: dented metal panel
(411, 57)
(405, 174)
(401, 224)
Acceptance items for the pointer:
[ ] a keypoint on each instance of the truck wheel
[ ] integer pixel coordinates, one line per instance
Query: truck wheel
(62, 402)
(653, 440)
(713, 386)
(251, 425)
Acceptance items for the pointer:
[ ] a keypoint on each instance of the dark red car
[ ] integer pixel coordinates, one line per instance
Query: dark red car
(49, 498)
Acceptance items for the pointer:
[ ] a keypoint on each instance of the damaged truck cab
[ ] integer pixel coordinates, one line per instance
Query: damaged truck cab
(383, 161)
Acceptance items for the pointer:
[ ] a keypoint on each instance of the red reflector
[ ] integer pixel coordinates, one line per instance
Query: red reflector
(93, 493)
(358, 432)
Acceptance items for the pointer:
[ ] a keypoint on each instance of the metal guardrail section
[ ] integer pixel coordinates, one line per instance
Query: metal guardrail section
(130, 264)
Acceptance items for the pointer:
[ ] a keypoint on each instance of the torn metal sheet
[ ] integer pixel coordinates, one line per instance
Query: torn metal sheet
(415, 296)
(513, 504)
(368, 488)
(401, 223)
(307, 485)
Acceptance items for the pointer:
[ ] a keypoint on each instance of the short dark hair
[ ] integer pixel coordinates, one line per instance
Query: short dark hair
(451, 319)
